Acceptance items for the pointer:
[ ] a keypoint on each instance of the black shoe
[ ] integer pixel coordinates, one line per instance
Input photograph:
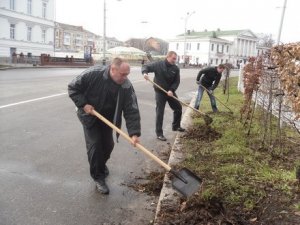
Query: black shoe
(161, 137)
(180, 129)
(106, 171)
(102, 187)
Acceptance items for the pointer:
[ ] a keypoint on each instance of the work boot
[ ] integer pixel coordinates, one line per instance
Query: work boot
(102, 187)
(161, 137)
(180, 129)
(106, 171)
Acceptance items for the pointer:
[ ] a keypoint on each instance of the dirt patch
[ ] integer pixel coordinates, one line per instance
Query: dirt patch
(202, 133)
(151, 184)
(198, 211)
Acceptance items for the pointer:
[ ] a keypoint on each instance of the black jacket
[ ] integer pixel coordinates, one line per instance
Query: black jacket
(91, 87)
(209, 77)
(166, 75)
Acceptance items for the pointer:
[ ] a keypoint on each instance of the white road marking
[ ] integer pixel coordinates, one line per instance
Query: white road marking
(46, 97)
(32, 100)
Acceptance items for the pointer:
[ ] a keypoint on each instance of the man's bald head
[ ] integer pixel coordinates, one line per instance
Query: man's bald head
(119, 70)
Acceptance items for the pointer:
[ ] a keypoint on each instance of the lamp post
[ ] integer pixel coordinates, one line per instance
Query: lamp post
(104, 32)
(145, 39)
(281, 22)
(188, 15)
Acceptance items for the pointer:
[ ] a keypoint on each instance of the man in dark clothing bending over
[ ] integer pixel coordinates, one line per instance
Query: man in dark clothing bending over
(108, 91)
(167, 75)
(209, 78)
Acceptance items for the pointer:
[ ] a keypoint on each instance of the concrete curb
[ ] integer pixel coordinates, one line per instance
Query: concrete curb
(168, 195)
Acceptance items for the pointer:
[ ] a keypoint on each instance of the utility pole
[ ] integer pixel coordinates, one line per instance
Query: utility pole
(188, 15)
(281, 22)
(104, 32)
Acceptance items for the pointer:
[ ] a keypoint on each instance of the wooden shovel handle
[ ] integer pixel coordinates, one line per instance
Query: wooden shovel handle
(126, 136)
(183, 103)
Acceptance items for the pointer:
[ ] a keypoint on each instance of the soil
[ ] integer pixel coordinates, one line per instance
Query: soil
(151, 184)
(202, 133)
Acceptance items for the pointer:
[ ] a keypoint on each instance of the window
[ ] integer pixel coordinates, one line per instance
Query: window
(217, 60)
(212, 47)
(198, 46)
(226, 60)
(44, 36)
(227, 48)
(211, 61)
(29, 7)
(29, 31)
(67, 39)
(44, 10)
(12, 5)
(217, 47)
(222, 48)
(221, 61)
(12, 31)
(177, 46)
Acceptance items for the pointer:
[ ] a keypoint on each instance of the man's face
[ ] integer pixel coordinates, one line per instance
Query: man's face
(220, 70)
(119, 74)
(172, 59)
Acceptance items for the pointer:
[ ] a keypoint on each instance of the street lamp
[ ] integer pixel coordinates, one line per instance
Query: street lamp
(104, 31)
(188, 15)
(145, 39)
(281, 22)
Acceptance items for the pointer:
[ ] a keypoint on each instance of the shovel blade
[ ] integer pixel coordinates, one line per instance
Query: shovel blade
(192, 184)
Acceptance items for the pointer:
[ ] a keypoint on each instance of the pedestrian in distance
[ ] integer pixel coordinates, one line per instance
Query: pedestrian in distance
(107, 90)
(166, 75)
(208, 79)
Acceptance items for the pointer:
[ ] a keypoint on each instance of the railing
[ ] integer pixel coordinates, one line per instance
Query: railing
(47, 60)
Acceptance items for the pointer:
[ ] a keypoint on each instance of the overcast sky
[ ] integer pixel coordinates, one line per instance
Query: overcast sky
(164, 17)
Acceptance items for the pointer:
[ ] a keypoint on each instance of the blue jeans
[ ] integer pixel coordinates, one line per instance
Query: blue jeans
(211, 97)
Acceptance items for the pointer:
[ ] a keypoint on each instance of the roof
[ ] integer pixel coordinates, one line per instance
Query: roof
(126, 50)
(209, 34)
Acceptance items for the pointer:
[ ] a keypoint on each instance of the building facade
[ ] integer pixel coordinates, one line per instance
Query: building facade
(75, 40)
(26, 26)
(215, 47)
(70, 39)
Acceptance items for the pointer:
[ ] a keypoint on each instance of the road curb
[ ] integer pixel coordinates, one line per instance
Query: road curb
(168, 195)
(42, 67)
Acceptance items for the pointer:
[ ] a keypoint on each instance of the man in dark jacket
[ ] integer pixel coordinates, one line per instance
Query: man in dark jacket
(167, 75)
(209, 78)
(108, 91)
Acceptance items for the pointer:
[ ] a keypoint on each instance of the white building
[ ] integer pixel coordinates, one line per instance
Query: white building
(110, 42)
(215, 47)
(26, 26)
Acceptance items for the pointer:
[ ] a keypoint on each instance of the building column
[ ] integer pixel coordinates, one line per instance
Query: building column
(249, 48)
(241, 47)
(244, 47)
(254, 48)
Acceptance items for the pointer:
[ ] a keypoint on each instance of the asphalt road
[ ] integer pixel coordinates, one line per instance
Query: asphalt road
(44, 174)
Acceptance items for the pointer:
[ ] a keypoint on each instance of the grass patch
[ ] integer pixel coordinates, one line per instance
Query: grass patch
(248, 180)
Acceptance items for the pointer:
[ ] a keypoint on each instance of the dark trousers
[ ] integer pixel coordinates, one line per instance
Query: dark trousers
(161, 99)
(99, 144)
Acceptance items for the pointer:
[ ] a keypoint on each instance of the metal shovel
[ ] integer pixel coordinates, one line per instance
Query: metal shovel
(208, 120)
(185, 181)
